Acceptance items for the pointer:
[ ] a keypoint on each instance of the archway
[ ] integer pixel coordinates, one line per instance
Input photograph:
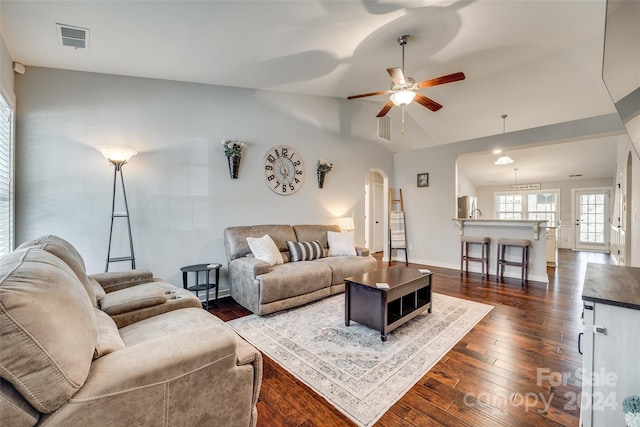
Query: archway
(376, 189)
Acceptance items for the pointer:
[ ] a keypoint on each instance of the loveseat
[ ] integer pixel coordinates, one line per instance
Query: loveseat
(263, 288)
(64, 362)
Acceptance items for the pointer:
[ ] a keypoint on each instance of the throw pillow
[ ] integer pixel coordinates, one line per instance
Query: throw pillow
(341, 244)
(305, 251)
(264, 248)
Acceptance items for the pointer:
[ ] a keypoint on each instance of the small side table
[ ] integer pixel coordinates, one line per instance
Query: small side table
(206, 268)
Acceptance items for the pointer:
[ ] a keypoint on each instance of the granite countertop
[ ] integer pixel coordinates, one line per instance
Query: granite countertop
(524, 221)
(612, 285)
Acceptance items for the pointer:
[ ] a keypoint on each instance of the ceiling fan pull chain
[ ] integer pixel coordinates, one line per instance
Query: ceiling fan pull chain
(403, 120)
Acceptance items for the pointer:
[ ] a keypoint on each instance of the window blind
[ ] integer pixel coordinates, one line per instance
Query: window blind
(6, 178)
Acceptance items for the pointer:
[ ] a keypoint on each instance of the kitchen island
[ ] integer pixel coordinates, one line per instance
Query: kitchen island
(511, 229)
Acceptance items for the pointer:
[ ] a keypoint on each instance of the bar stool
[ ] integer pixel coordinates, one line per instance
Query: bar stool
(502, 260)
(465, 241)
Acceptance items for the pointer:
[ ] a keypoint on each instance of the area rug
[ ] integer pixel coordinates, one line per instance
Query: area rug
(350, 366)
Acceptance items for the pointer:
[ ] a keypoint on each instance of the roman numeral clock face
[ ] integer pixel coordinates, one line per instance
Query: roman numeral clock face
(283, 170)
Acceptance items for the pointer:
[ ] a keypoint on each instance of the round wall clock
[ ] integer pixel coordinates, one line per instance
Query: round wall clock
(283, 170)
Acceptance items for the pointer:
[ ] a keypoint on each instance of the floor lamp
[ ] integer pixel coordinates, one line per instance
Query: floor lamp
(118, 156)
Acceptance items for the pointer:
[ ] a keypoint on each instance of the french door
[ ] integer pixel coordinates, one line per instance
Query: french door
(592, 220)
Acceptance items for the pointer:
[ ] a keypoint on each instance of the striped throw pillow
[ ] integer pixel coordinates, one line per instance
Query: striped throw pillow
(305, 251)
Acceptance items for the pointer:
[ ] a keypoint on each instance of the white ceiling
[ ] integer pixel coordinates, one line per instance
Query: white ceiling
(549, 163)
(539, 61)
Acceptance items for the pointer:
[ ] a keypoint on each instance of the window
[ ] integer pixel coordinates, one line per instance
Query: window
(542, 206)
(6, 178)
(528, 205)
(509, 206)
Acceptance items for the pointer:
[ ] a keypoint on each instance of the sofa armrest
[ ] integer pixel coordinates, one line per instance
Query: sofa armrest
(173, 378)
(117, 280)
(158, 360)
(252, 266)
(362, 251)
(246, 354)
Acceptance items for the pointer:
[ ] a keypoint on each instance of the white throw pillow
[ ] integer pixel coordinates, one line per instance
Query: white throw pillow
(341, 244)
(264, 248)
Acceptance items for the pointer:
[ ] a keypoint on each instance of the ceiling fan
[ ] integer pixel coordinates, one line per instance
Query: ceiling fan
(405, 89)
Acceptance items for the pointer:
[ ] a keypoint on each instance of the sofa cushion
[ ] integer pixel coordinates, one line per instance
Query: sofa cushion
(136, 298)
(67, 253)
(265, 249)
(305, 251)
(235, 238)
(46, 352)
(293, 279)
(15, 411)
(98, 290)
(341, 244)
(347, 266)
(108, 336)
(311, 232)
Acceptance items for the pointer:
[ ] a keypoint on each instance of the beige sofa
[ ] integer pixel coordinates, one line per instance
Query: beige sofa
(64, 362)
(264, 289)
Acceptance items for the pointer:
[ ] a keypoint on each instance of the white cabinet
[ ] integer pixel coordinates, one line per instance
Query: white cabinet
(552, 246)
(610, 344)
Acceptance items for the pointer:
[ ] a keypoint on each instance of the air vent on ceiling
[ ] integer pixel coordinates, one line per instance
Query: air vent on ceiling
(76, 37)
(575, 175)
(384, 128)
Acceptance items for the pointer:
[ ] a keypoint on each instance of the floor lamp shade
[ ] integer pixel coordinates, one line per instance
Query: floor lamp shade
(117, 156)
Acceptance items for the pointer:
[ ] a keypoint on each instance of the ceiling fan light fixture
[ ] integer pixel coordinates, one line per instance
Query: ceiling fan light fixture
(504, 160)
(403, 97)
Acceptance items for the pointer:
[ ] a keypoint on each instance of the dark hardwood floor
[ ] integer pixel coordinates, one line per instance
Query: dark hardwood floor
(516, 367)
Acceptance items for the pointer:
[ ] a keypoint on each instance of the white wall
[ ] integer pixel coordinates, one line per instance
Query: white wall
(433, 237)
(180, 194)
(6, 74)
(632, 236)
(465, 186)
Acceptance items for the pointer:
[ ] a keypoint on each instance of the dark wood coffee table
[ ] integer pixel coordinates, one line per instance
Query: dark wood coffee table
(409, 294)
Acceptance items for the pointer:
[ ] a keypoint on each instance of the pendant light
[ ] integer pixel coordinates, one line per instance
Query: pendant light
(504, 160)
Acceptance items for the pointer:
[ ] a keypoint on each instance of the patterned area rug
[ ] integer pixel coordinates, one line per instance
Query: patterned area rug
(350, 366)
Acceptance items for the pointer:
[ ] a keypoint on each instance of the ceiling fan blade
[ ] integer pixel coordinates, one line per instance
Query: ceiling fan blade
(396, 75)
(367, 94)
(442, 80)
(426, 102)
(385, 109)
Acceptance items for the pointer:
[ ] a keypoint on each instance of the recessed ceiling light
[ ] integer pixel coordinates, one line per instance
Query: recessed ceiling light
(497, 151)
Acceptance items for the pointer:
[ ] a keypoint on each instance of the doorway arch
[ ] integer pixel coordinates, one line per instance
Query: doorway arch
(376, 188)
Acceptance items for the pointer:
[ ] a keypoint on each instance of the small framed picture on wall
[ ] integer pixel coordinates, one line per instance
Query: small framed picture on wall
(423, 179)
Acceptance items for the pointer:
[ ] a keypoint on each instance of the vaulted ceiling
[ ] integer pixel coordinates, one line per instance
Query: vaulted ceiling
(538, 61)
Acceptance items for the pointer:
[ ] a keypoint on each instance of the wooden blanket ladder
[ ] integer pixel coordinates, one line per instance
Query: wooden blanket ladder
(397, 234)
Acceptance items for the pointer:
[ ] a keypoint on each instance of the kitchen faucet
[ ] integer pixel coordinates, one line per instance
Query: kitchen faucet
(476, 213)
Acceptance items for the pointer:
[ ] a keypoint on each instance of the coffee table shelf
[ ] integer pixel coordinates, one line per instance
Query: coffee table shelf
(409, 295)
